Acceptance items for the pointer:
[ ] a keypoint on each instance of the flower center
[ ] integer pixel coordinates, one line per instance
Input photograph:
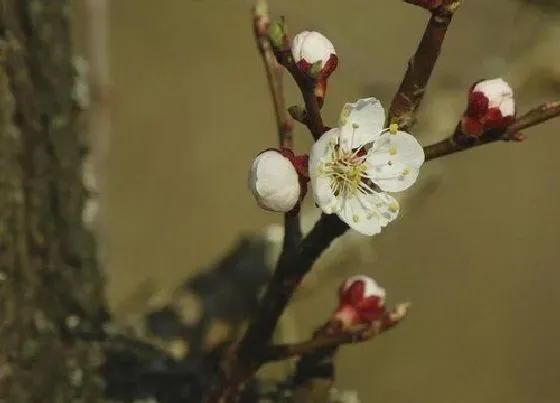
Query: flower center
(347, 171)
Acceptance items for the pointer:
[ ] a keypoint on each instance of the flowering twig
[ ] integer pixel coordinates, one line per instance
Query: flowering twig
(534, 117)
(326, 340)
(411, 91)
(360, 315)
(311, 116)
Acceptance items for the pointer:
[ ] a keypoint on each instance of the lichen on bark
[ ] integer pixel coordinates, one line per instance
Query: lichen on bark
(48, 271)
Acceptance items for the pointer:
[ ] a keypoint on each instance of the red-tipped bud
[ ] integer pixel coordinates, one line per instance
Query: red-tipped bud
(361, 300)
(490, 106)
(314, 54)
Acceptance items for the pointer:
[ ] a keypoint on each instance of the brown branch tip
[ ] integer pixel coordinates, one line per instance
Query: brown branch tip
(327, 340)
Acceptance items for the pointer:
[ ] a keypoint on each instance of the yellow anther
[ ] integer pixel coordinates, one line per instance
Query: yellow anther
(393, 128)
(344, 115)
(394, 207)
(355, 218)
(406, 171)
(392, 150)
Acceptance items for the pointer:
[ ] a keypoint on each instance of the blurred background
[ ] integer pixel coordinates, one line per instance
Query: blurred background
(476, 248)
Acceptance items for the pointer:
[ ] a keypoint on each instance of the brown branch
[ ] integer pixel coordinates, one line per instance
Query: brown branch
(290, 270)
(456, 142)
(411, 91)
(311, 116)
(323, 340)
(314, 375)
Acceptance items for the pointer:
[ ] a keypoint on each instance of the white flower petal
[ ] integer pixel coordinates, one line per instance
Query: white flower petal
(394, 161)
(323, 195)
(366, 117)
(321, 185)
(346, 138)
(369, 213)
(274, 182)
(507, 107)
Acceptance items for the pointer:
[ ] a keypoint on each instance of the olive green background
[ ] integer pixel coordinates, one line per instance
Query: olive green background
(477, 247)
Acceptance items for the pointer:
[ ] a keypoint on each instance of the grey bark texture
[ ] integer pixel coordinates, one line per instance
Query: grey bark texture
(48, 270)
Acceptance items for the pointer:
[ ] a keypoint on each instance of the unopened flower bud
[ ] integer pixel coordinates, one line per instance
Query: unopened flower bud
(274, 181)
(490, 106)
(277, 34)
(361, 300)
(314, 54)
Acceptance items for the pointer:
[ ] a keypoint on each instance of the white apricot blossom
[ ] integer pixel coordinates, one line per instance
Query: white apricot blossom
(351, 167)
(274, 182)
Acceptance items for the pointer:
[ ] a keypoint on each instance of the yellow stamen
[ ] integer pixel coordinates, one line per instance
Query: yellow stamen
(392, 150)
(344, 115)
(406, 171)
(394, 207)
(393, 128)
(355, 218)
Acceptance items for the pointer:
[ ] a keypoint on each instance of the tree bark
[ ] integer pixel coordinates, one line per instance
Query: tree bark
(48, 271)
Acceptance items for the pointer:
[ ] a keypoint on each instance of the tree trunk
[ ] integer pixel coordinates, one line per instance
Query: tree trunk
(48, 271)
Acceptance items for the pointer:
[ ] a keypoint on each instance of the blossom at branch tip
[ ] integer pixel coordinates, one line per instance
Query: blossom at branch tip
(361, 300)
(277, 179)
(491, 105)
(351, 167)
(314, 54)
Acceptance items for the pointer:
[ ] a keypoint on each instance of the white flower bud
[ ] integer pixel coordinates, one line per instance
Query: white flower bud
(499, 94)
(274, 182)
(312, 47)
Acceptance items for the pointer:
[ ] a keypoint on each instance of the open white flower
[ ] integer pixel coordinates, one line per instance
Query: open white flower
(352, 166)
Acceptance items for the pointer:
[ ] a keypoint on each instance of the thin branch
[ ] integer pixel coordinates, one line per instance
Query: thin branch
(322, 340)
(411, 91)
(311, 116)
(274, 74)
(315, 369)
(456, 142)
